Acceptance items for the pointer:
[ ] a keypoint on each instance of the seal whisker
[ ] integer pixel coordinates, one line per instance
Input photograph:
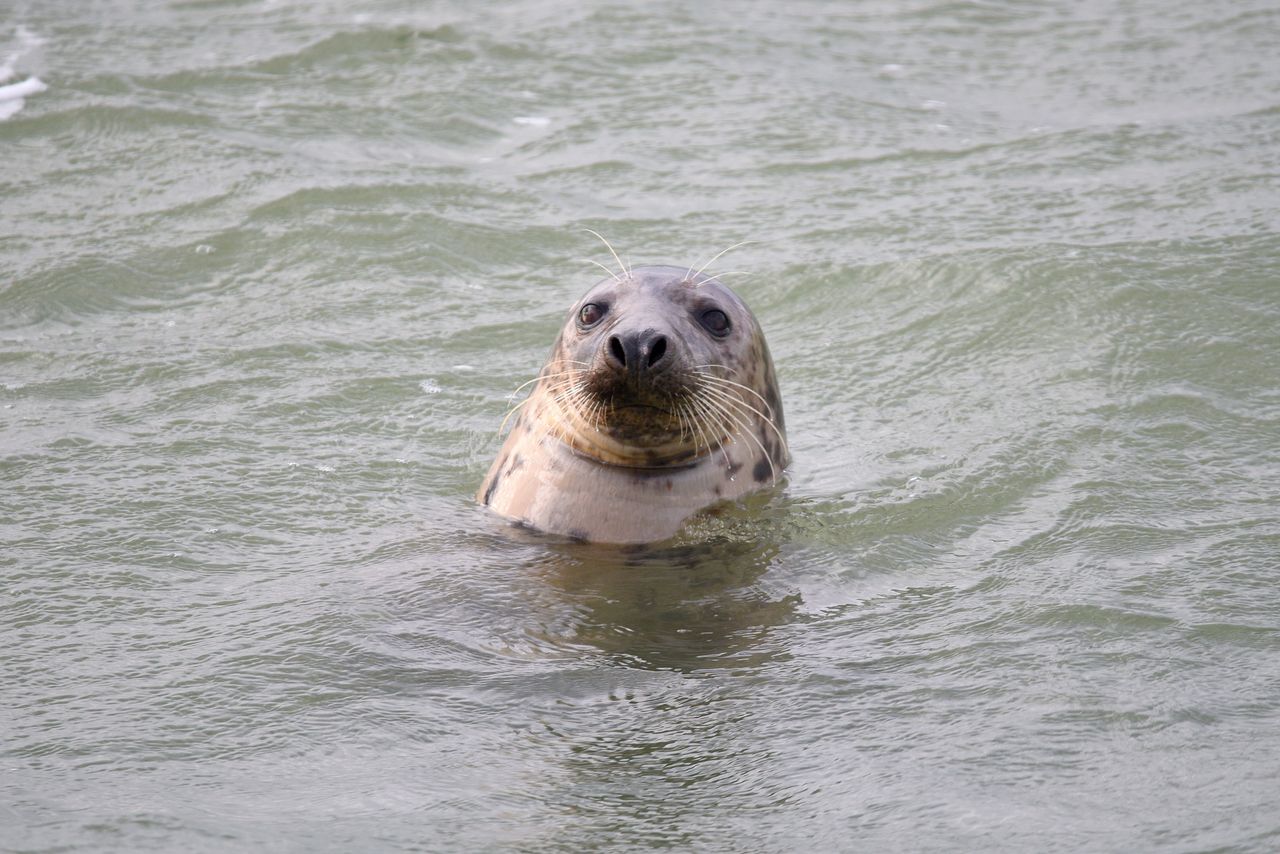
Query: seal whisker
(510, 412)
(682, 419)
(745, 430)
(558, 430)
(728, 381)
(696, 431)
(737, 405)
(526, 383)
(625, 272)
(686, 421)
(559, 392)
(708, 417)
(716, 256)
(597, 409)
(734, 398)
(677, 410)
(721, 431)
(571, 362)
(612, 274)
(550, 388)
(696, 428)
(573, 397)
(566, 395)
(713, 414)
(588, 407)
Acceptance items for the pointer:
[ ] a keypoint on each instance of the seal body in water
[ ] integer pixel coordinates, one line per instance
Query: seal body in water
(658, 400)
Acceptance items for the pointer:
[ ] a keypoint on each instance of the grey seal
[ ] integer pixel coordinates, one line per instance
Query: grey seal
(658, 400)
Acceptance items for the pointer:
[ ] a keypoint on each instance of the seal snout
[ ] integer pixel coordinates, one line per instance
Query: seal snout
(637, 352)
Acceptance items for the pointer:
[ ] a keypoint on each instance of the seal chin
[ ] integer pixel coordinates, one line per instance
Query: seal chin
(635, 434)
(645, 413)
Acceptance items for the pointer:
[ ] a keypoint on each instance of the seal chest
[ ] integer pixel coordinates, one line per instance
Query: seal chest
(658, 400)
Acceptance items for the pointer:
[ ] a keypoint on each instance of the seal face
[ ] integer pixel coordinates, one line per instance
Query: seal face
(658, 400)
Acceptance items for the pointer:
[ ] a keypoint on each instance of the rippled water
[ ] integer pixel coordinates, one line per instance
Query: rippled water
(270, 271)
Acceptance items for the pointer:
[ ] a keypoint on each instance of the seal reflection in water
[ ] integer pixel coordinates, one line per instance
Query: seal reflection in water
(659, 399)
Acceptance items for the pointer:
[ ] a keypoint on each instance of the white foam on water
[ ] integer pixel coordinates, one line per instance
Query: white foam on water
(30, 86)
(11, 106)
(13, 96)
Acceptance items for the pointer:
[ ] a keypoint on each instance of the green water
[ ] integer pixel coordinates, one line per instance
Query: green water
(269, 272)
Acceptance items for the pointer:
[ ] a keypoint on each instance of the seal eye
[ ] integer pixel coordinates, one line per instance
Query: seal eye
(590, 314)
(716, 322)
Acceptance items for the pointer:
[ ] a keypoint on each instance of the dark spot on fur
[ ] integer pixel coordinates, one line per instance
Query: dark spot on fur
(669, 484)
(733, 468)
(578, 535)
(771, 395)
(493, 485)
(647, 475)
(762, 471)
(718, 491)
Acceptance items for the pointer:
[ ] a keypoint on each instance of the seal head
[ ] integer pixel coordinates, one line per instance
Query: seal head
(659, 399)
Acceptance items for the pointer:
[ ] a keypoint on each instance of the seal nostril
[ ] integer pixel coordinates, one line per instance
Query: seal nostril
(658, 350)
(615, 348)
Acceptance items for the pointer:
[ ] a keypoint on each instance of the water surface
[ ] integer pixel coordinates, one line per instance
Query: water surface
(269, 272)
